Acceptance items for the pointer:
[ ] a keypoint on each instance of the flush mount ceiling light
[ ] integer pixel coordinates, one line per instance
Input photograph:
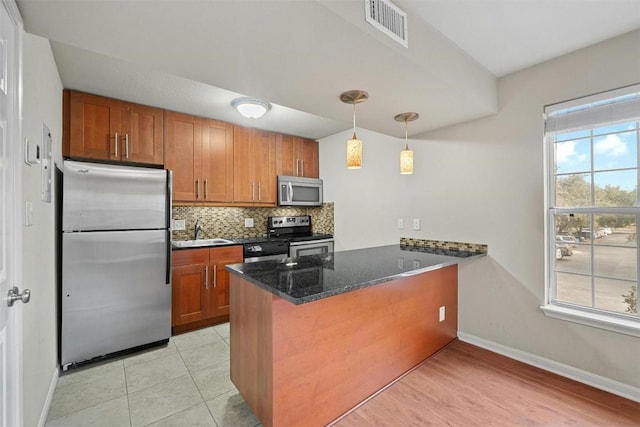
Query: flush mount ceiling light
(354, 145)
(251, 108)
(406, 155)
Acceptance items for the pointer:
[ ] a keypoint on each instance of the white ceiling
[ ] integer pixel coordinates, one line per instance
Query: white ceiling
(195, 56)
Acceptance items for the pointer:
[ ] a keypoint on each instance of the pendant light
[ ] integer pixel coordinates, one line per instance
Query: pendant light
(354, 145)
(406, 155)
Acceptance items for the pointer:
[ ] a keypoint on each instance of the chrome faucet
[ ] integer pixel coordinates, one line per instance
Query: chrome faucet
(197, 228)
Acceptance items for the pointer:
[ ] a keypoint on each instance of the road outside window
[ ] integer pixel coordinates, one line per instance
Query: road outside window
(593, 204)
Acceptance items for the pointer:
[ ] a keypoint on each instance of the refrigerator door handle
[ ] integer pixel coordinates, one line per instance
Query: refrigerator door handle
(169, 200)
(168, 273)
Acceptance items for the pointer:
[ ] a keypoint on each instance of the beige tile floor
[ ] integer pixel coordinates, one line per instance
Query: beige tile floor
(185, 383)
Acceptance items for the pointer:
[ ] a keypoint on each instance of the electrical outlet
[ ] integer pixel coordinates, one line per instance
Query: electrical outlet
(179, 224)
(400, 223)
(248, 222)
(441, 314)
(401, 263)
(416, 224)
(416, 264)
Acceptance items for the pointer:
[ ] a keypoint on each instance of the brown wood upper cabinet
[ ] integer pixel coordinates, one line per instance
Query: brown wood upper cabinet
(199, 151)
(200, 283)
(254, 166)
(297, 156)
(108, 129)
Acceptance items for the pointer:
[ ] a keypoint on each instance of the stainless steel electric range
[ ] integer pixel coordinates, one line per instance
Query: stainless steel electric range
(288, 236)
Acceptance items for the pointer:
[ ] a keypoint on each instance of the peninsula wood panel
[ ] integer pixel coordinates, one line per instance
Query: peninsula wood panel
(330, 355)
(251, 344)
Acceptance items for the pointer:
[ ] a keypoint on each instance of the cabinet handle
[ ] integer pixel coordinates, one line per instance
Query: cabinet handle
(197, 188)
(206, 277)
(215, 275)
(302, 162)
(205, 188)
(259, 191)
(116, 147)
(126, 145)
(297, 167)
(252, 188)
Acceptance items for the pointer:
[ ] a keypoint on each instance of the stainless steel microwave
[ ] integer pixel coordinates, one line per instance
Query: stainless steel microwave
(298, 191)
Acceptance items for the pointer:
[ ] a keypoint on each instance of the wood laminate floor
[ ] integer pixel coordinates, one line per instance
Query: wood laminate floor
(464, 385)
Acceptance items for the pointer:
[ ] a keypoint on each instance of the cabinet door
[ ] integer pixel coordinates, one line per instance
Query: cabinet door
(308, 165)
(286, 158)
(217, 161)
(189, 286)
(94, 122)
(188, 294)
(244, 190)
(219, 295)
(263, 157)
(183, 154)
(143, 139)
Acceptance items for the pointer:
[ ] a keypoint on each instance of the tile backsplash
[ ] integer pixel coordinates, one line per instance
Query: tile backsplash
(479, 248)
(229, 222)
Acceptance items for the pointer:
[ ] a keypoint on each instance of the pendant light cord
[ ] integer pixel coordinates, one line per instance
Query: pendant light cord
(354, 120)
(406, 141)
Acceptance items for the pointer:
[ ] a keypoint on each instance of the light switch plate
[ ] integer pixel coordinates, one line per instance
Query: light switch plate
(28, 214)
(441, 314)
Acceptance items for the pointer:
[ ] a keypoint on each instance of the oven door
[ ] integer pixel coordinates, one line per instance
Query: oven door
(310, 247)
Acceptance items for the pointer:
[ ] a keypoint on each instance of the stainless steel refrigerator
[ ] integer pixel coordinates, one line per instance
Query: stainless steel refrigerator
(116, 259)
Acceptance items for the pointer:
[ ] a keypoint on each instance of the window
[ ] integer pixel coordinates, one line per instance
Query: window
(594, 210)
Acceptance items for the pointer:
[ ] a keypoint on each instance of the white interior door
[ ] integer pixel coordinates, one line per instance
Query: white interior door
(10, 317)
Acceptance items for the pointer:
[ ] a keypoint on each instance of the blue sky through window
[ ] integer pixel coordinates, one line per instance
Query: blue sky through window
(614, 147)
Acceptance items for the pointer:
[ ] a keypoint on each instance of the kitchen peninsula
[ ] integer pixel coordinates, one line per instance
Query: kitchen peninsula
(312, 337)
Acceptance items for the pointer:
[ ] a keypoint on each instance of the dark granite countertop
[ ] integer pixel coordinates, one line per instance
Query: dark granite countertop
(314, 277)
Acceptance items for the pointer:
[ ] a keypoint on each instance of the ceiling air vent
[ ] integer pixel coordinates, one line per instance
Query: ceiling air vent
(388, 18)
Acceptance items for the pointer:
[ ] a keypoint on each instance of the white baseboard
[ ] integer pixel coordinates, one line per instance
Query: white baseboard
(47, 402)
(621, 389)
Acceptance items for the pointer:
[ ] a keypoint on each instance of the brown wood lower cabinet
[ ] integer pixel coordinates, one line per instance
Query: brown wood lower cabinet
(200, 286)
(306, 365)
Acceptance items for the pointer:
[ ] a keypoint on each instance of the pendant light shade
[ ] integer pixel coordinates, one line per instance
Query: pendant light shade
(406, 155)
(354, 145)
(406, 161)
(354, 153)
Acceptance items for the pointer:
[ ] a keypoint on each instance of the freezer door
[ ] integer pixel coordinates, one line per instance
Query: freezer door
(114, 292)
(109, 197)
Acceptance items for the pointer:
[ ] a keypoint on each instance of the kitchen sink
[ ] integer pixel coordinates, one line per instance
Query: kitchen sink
(200, 242)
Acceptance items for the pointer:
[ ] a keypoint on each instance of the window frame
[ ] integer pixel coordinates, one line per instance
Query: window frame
(599, 318)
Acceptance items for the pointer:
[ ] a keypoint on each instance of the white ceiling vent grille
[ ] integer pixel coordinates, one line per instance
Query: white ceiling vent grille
(388, 18)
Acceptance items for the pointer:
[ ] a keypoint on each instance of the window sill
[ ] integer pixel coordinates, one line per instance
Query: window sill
(621, 326)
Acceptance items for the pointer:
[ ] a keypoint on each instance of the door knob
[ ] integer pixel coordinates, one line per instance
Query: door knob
(15, 295)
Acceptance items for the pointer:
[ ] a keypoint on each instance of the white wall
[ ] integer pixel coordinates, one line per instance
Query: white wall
(42, 102)
(483, 182)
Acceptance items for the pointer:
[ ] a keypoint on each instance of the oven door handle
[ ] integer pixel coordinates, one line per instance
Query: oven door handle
(311, 242)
